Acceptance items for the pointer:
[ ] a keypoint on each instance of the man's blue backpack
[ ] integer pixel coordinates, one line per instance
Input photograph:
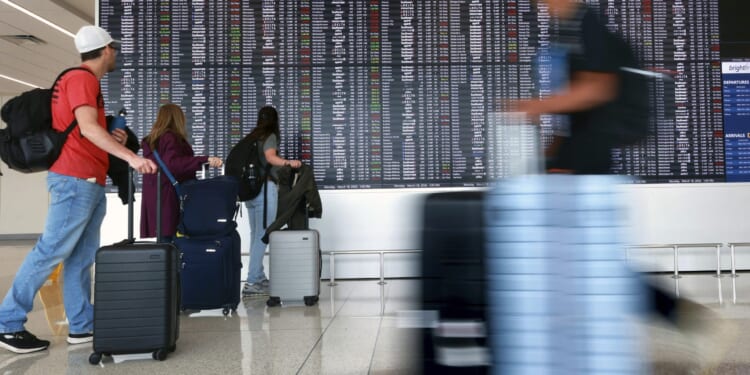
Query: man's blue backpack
(29, 143)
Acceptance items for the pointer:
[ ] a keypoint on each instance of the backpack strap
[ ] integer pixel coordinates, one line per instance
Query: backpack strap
(265, 182)
(59, 76)
(265, 203)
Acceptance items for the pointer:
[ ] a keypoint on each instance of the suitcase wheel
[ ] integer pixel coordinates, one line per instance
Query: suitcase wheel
(160, 354)
(225, 311)
(273, 301)
(95, 358)
(310, 300)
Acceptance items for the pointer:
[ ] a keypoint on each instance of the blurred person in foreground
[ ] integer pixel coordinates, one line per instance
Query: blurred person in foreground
(589, 101)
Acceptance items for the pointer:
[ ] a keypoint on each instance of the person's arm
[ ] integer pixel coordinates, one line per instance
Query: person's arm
(278, 161)
(173, 152)
(587, 90)
(87, 121)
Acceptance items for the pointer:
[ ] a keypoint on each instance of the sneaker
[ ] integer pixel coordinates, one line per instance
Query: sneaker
(80, 338)
(255, 289)
(22, 342)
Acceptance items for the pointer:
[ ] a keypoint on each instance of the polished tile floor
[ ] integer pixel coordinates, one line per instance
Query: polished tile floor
(354, 329)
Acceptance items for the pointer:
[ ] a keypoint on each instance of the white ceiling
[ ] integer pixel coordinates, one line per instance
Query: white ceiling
(40, 64)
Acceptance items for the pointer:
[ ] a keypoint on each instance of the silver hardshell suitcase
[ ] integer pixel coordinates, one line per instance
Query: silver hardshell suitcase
(295, 266)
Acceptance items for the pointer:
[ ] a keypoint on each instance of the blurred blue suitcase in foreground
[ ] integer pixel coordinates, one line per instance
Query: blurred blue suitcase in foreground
(561, 297)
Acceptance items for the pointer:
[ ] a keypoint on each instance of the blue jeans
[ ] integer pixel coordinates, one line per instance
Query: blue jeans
(257, 247)
(71, 235)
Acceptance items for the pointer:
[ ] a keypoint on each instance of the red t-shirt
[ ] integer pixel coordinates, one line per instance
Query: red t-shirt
(79, 157)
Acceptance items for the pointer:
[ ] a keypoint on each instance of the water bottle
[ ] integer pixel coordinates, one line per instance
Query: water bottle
(119, 121)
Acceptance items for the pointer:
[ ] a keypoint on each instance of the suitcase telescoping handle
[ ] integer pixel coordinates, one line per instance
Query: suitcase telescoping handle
(131, 236)
(204, 171)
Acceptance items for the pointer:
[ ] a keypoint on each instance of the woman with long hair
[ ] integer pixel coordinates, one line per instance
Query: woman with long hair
(267, 132)
(169, 137)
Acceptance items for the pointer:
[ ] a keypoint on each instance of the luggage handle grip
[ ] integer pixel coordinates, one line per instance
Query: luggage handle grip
(204, 171)
(131, 188)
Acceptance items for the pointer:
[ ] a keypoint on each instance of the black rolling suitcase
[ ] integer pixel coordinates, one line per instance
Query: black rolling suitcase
(454, 285)
(136, 296)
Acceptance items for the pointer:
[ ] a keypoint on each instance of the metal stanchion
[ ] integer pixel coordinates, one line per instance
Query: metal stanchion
(718, 260)
(332, 270)
(382, 269)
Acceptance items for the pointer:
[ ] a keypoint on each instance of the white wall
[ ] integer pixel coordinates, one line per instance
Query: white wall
(352, 220)
(391, 219)
(23, 200)
(689, 213)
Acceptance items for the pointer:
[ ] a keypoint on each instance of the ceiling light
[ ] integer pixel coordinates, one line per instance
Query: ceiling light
(19, 81)
(40, 18)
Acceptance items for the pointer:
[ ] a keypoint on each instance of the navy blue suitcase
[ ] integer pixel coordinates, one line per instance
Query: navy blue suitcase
(208, 207)
(210, 272)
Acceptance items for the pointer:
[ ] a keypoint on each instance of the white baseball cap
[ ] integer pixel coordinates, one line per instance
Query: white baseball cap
(91, 37)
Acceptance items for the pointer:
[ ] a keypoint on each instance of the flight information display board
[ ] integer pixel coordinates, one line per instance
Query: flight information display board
(398, 94)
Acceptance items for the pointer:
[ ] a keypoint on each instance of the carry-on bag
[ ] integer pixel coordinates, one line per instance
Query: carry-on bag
(561, 296)
(136, 292)
(210, 263)
(207, 206)
(453, 284)
(210, 272)
(295, 266)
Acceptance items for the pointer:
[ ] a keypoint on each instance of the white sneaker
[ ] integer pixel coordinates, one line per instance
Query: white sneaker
(80, 338)
(254, 290)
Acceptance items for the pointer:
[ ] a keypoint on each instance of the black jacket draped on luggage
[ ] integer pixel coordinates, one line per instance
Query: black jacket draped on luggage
(295, 198)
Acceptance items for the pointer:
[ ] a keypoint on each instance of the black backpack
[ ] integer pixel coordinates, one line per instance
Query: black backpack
(630, 114)
(244, 162)
(29, 143)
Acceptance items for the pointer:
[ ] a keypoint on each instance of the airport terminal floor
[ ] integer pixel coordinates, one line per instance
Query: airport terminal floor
(353, 330)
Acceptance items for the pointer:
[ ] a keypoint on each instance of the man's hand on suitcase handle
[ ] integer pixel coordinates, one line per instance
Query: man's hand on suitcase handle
(142, 165)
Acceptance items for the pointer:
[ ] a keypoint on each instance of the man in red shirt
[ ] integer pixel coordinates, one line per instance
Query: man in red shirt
(78, 204)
